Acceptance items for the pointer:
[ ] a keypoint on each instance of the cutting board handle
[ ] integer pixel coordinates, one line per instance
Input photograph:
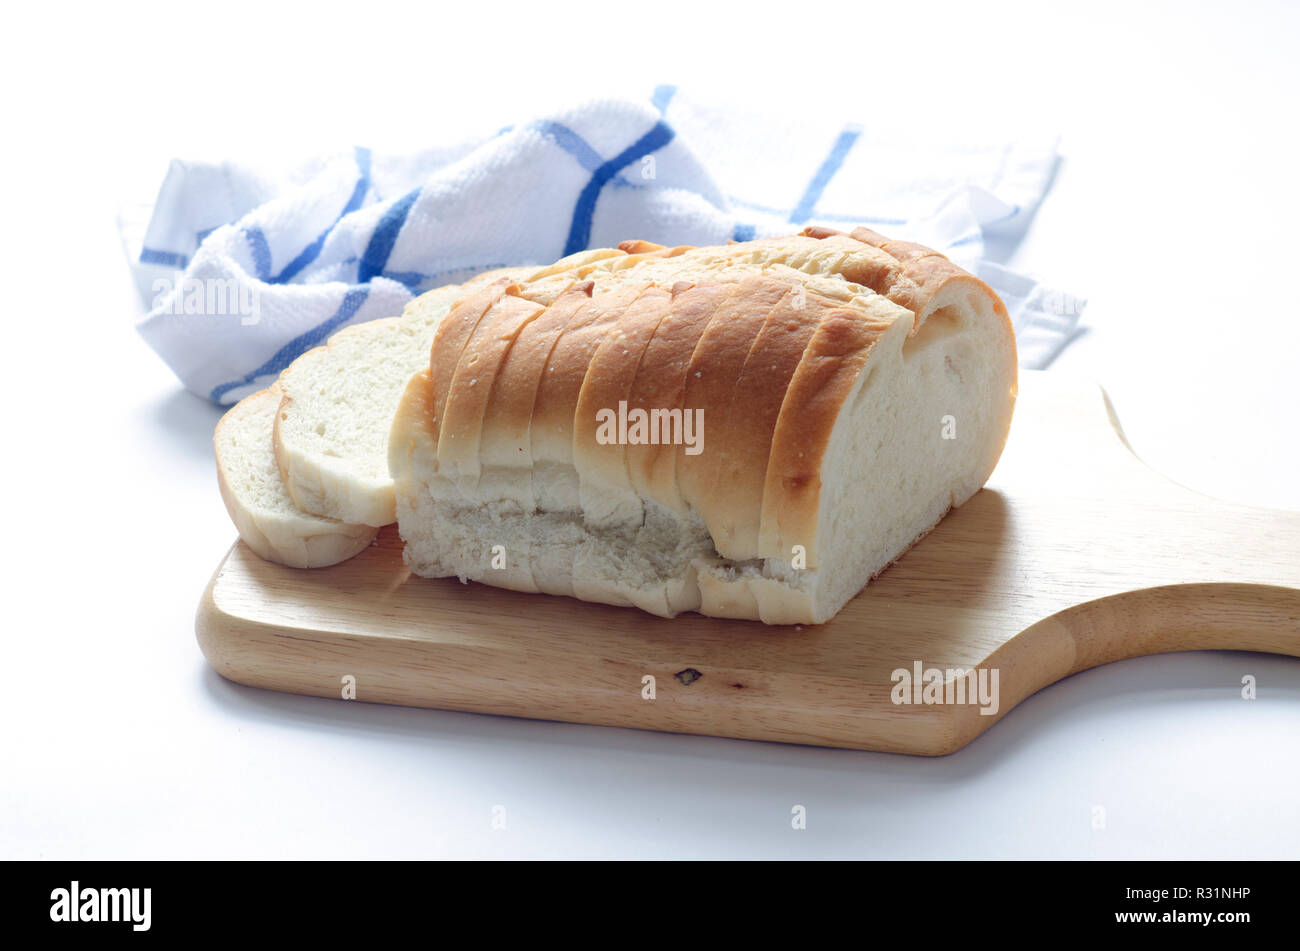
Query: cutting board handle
(1158, 620)
(1112, 520)
(1184, 617)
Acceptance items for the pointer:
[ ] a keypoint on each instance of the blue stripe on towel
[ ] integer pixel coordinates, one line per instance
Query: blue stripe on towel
(384, 238)
(585, 208)
(803, 211)
(410, 279)
(166, 258)
(312, 251)
(579, 148)
(300, 344)
(571, 142)
(261, 252)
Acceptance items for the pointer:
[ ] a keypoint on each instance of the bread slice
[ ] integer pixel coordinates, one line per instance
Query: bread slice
(325, 429)
(256, 498)
(506, 443)
(605, 488)
(461, 432)
(331, 433)
(660, 386)
(711, 380)
(831, 371)
(741, 447)
(558, 391)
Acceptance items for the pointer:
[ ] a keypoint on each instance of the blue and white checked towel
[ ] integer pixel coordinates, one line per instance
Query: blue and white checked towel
(242, 269)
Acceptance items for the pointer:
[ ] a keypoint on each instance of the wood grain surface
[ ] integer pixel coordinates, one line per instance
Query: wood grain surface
(1075, 554)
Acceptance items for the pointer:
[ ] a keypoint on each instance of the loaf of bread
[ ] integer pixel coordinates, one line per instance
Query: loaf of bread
(751, 431)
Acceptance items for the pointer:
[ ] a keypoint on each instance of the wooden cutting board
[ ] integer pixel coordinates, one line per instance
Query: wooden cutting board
(1075, 554)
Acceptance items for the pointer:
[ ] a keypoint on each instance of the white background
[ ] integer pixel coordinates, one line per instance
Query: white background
(1174, 213)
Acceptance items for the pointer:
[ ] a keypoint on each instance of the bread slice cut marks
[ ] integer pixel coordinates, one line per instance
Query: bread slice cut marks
(453, 335)
(742, 447)
(605, 485)
(555, 479)
(659, 387)
(506, 445)
(476, 372)
(711, 380)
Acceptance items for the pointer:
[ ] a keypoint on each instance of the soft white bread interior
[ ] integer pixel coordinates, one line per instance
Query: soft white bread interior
(256, 498)
(331, 433)
(845, 392)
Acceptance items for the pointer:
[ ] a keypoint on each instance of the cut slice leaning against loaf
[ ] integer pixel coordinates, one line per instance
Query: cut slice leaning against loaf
(331, 433)
(785, 418)
(255, 496)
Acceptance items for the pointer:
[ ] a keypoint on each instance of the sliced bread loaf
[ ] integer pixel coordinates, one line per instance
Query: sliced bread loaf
(851, 390)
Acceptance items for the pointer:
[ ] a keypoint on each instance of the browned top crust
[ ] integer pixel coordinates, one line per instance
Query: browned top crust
(916, 276)
(766, 338)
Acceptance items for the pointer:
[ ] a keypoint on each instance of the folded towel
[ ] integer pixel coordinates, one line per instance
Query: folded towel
(242, 269)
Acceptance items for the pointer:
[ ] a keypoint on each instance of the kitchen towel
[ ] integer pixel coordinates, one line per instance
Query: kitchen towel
(240, 269)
